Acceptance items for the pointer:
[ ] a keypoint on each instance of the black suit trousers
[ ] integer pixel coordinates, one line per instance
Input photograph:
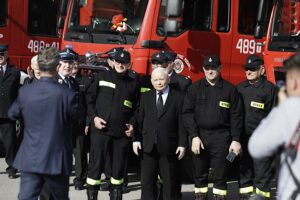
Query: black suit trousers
(166, 166)
(254, 172)
(9, 138)
(32, 183)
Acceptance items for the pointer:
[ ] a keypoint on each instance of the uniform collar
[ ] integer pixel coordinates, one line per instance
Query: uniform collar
(257, 84)
(219, 83)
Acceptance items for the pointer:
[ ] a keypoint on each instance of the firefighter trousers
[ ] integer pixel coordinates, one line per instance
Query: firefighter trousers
(254, 173)
(118, 150)
(216, 146)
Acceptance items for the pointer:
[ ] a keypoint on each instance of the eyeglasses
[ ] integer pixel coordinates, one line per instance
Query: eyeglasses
(2, 53)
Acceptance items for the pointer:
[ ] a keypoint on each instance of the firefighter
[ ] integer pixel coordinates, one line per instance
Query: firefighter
(258, 96)
(157, 60)
(81, 129)
(212, 116)
(177, 81)
(9, 87)
(111, 105)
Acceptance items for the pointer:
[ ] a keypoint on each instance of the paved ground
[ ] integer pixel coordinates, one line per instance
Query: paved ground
(9, 188)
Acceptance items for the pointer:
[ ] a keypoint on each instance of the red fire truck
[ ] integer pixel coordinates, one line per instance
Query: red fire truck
(28, 26)
(191, 28)
(283, 37)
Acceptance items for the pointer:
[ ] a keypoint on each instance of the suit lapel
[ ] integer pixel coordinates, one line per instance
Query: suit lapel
(152, 104)
(7, 73)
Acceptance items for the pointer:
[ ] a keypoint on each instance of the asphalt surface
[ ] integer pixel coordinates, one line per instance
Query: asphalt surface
(9, 188)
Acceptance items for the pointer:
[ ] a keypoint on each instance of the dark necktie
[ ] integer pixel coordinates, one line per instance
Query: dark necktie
(1, 72)
(67, 81)
(159, 104)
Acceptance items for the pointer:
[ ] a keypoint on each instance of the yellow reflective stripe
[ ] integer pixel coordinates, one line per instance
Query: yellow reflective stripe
(107, 84)
(201, 190)
(224, 104)
(116, 181)
(219, 192)
(160, 179)
(262, 193)
(128, 103)
(246, 190)
(93, 182)
(257, 105)
(142, 90)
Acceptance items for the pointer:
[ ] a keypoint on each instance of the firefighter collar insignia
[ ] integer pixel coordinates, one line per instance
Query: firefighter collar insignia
(122, 55)
(210, 60)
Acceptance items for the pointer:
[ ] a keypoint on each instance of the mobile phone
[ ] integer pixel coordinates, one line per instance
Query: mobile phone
(231, 156)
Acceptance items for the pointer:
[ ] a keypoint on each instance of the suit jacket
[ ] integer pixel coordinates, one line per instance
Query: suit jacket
(9, 86)
(47, 110)
(168, 126)
(179, 82)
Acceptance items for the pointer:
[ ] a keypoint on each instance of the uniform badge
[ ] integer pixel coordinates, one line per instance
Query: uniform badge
(122, 55)
(249, 61)
(209, 60)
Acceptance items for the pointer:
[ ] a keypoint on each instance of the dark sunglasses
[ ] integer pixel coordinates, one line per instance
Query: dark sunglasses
(156, 63)
(2, 53)
(251, 69)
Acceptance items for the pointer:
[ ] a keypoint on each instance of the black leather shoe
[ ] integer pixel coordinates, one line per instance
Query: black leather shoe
(79, 187)
(12, 175)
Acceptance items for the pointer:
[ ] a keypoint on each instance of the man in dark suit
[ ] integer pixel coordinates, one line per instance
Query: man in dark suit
(9, 86)
(45, 154)
(161, 139)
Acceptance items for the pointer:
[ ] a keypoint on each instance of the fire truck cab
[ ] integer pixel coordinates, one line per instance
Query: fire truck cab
(283, 34)
(28, 26)
(192, 29)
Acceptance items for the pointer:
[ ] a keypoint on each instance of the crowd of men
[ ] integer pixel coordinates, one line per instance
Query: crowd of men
(160, 117)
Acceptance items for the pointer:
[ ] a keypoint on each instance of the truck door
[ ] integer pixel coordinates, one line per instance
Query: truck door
(243, 43)
(4, 26)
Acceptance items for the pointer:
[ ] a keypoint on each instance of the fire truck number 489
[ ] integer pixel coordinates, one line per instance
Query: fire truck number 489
(36, 46)
(247, 46)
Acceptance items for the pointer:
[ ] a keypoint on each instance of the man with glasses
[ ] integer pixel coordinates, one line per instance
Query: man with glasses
(258, 96)
(9, 86)
(213, 117)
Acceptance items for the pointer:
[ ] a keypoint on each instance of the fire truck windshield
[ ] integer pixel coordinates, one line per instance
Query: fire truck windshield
(100, 19)
(286, 21)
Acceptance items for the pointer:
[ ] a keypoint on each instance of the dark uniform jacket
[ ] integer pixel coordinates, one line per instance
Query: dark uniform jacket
(211, 108)
(47, 110)
(9, 86)
(179, 82)
(113, 97)
(258, 99)
(167, 128)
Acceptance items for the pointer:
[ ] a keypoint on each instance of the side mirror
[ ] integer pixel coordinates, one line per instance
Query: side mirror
(60, 23)
(174, 8)
(258, 32)
(63, 7)
(171, 26)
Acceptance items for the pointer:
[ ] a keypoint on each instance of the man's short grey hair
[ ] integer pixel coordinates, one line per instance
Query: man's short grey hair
(48, 59)
(160, 70)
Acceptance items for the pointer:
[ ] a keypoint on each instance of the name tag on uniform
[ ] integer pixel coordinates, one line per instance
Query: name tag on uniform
(224, 104)
(128, 103)
(107, 84)
(143, 89)
(257, 105)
